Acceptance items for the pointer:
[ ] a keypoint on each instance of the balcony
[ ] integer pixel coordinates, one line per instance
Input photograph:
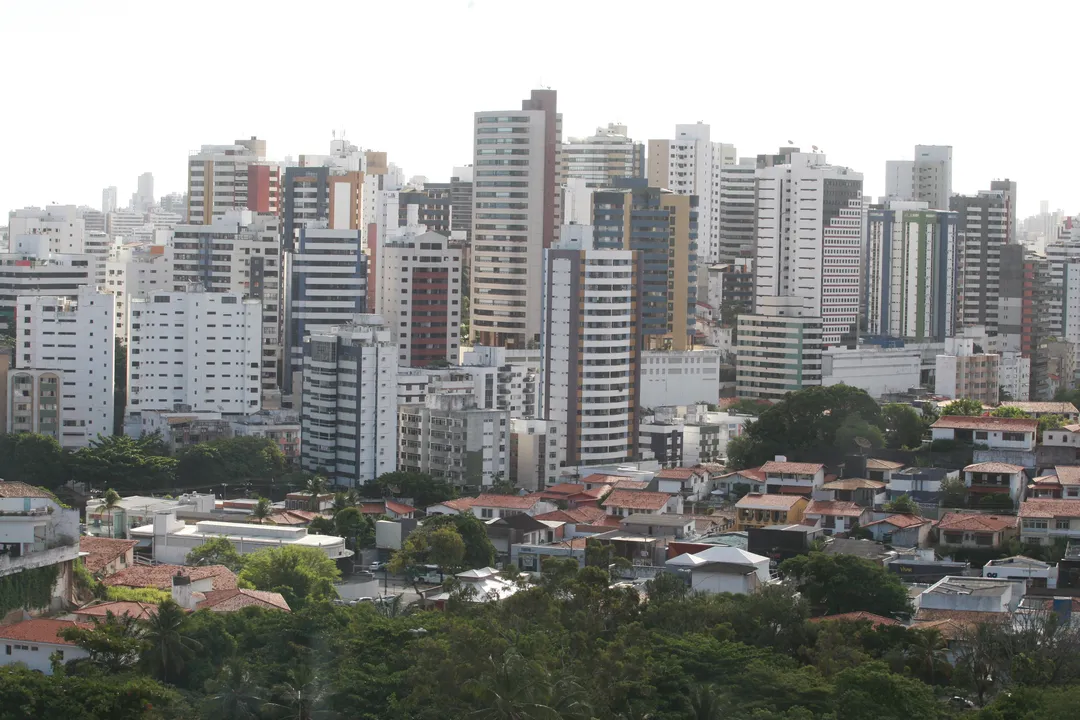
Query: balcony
(63, 549)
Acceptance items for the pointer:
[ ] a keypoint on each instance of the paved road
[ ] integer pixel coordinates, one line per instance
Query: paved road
(353, 588)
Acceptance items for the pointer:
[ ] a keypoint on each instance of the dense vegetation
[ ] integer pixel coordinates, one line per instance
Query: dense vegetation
(572, 647)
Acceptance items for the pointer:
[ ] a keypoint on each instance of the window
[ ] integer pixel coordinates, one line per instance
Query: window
(1061, 524)
(486, 513)
(954, 538)
(984, 539)
(981, 435)
(1012, 436)
(1035, 524)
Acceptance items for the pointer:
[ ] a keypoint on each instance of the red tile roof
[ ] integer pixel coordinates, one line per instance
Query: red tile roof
(679, 473)
(795, 468)
(1050, 508)
(459, 504)
(1068, 474)
(854, 484)
(994, 467)
(40, 630)
(637, 499)
(160, 576)
(399, 508)
(750, 473)
(629, 484)
(755, 501)
(372, 508)
(602, 479)
(292, 517)
(962, 617)
(562, 491)
(513, 502)
(237, 598)
(876, 620)
(582, 515)
(137, 610)
(103, 551)
(835, 508)
(879, 464)
(901, 521)
(22, 490)
(965, 422)
(975, 522)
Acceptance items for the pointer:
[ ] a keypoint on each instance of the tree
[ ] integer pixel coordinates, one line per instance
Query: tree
(230, 460)
(111, 500)
(904, 428)
(479, 552)
(262, 510)
(422, 489)
(315, 486)
(114, 643)
(357, 529)
(903, 505)
(963, 406)
(234, 694)
(870, 692)
(1004, 395)
(836, 584)
(120, 357)
(34, 459)
(167, 646)
(216, 551)
(341, 502)
(303, 696)
(119, 461)
(1008, 412)
(300, 574)
(953, 492)
(320, 525)
(853, 428)
(927, 657)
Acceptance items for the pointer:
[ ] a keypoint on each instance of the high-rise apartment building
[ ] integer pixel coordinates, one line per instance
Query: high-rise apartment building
(690, 164)
(461, 201)
(66, 374)
(451, 439)
(960, 372)
(911, 268)
(927, 178)
(30, 269)
(349, 407)
(661, 225)
(231, 177)
(124, 223)
(809, 240)
(143, 199)
(779, 349)
(93, 220)
(590, 352)
(59, 226)
(327, 276)
(434, 207)
(108, 199)
(1007, 188)
(135, 270)
(982, 229)
(516, 215)
(200, 351)
(420, 297)
(737, 214)
(603, 158)
(318, 195)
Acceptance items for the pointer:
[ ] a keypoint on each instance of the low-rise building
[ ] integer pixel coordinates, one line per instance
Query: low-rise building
(901, 530)
(490, 506)
(203, 578)
(971, 594)
(783, 477)
(32, 643)
(994, 478)
(723, 569)
(751, 479)
(137, 510)
(107, 555)
(921, 484)
(690, 482)
(863, 492)
(756, 510)
(482, 585)
(1044, 521)
(1062, 484)
(283, 427)
(624, 503)
(1007, 440)
(836, 517)
(1035, 573)
(878, 469)
(1037, 409)
(663, 525)
(1067, 438)
(974, 530)
(962, 373)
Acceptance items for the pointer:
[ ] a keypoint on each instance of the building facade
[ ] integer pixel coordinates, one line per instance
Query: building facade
(927, 178)
(231, 177)
(779, 350)
(982, 232)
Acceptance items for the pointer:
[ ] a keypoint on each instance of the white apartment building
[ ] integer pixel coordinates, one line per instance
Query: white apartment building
(31, 270)
(516, 214)
(982, 229)
(927, 178)
(604, 157)
(135, 270)
(779, 349)
(64, 232)
(680, 377)
(228, 177)
(872, 368)
(93, 220)
(98, 245)
(451, 439)
(194, 350)
(590, 371)
(348, 412)
(911, 261)
(691, 164)
(109, 199)
(809, 240)
(534, 445)
(124, 223)
(963, 373)
(327, 276)
(420, 297)
(66, 377)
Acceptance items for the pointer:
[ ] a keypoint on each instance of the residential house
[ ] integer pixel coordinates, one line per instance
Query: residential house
(1062, 484)
(36, 532)
(456, 506)
(530, 557)
(186, 595)
(1035, 573)
(922, 565)
(489, 505)
(576, 495)
(792, 478)
(901, 530)
(995, 478)
(877, 469)
(32, 643)
(572, 518)
(836, 517)
(598, 480)
(521, 528)
(107, 555)
(304, 501)
(665, 525)
(99, 610)
(1066, 438)
(1007, 440)
(690, 482)
(780, 542)
(624, 503)
(203, 578)
(390, 508)
(921, 484)
(1044, 521)
(752, 479)
(757, 510)
(861, 491)
(722, 569)
(138, 510)
(1037, 409)
(974, 530)
(954, 597)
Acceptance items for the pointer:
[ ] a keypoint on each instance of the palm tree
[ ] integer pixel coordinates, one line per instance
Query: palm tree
(234, 694)
(315, 486)
(353, 497)
(927, 652)
(301, 698)
(262, 510)
(167, 646)
(340, 503)
(705, 703)
(112, 501)
(517, 689)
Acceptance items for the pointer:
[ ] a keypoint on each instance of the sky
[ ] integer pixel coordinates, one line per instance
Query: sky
(98, 92)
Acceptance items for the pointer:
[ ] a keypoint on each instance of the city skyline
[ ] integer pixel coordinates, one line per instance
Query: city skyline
(113, 149)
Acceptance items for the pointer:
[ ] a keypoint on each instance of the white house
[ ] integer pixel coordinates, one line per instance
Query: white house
(172, 540)
(625, 503)
(994, 432)
(488, 506)
(901, 530)
(722, 569)
(32, 642)
(751, 477)
(690, 482)
(993, 478)
(782, 476)
(836, 517)
(1035, 572)
(1043, 521)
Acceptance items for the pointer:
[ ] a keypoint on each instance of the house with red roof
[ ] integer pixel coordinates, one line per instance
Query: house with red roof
(107, 555)
(792, 478)
(752, 478)
(488, 506)
(624, 503)
(456, 506)
(757, 510)
(572, 518)
(1061, 484)
(900, 530)
(995, 478)
(690, 482)
(996, 433)
(836, 517)
(390, 508)
(160, 577)
(1043, 521)
(975, 530)
(32, 642)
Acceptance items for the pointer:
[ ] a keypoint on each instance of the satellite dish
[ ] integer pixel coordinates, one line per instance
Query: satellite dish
(863, 443)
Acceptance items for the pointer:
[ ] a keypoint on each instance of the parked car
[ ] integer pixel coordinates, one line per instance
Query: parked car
(377, 566)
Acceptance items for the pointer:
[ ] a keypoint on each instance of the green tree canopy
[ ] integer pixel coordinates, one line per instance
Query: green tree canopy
(424, 490)
(836, 584)
(126, 464)
(230, 460)
(904, 426)
(216, 551)
(479, 552)
(1008, 412)
(34, 459)
(300, 574)
(963, 406)
(903, 505)
(953, 493)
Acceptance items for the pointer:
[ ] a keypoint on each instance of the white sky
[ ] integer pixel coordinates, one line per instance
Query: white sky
(98, 92)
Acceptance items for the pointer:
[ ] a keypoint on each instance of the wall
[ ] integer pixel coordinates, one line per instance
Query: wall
(722, 583)
(679, 378)
(37, 657)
